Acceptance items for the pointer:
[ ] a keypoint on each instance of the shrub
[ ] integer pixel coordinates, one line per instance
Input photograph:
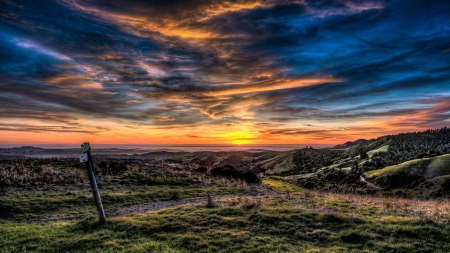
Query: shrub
(251, 204)
(103, 165)
(202, 169)
(216, 171)
(251, 178)
(230, 172)
(115, 168)
(363, 155)
(334, 175)
(175, 195)
(353, 237)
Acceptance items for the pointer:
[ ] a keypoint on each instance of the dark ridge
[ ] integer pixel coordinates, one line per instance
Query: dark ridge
(349, 144)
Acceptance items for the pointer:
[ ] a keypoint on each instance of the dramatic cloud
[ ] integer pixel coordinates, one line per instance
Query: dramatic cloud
(291, 71)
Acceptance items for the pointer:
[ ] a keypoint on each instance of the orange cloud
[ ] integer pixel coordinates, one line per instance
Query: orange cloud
(278, 85)
(168, 25)
(71, 81)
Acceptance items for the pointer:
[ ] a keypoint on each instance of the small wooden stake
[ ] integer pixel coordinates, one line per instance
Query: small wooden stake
(87, 159)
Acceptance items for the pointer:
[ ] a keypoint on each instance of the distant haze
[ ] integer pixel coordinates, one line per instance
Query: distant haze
(187, 148)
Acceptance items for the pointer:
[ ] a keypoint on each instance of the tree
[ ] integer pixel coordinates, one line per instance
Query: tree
(363, 155)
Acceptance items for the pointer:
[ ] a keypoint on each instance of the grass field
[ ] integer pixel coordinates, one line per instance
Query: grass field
(286, 218)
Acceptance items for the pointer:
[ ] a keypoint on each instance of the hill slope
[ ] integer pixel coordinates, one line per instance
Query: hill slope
(427, 168)
(280, 163)
(427, 176)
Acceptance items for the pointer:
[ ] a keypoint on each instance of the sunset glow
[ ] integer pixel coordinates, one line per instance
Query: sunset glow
(226, 72)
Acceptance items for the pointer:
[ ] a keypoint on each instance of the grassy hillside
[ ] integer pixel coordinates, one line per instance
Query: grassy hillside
(420, 177)
(425, 167)
(363, 156)
(384, 148)
(278, 164)
(403, 147)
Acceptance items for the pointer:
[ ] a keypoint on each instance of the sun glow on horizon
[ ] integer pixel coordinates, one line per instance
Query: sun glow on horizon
(239, 137)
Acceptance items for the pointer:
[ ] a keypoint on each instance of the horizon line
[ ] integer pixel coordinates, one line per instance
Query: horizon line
(167, 145)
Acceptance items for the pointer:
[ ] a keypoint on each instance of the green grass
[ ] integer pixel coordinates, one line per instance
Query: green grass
(278, 185)
(439, 166)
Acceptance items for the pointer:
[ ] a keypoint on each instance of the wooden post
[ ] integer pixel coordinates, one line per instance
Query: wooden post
(86, 158)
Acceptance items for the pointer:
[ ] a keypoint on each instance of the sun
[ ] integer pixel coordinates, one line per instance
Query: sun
(240, 142)
(240, 137)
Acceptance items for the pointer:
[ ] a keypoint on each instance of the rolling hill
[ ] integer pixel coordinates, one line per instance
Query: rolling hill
(426, 177)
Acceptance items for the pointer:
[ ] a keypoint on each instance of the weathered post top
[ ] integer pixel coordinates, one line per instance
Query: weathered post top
(85, 147)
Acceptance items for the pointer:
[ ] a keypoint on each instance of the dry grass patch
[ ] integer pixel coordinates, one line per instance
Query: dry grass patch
(435, 210)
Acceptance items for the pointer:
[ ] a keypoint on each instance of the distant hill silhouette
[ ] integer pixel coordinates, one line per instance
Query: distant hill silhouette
(349, 144)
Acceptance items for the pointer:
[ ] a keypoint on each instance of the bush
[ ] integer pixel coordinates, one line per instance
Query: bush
(202, 170)
(103, 165)
(230, 172)
(363, 155)
(115, 168)
(175, 195)
(353, 237)
(251, 204)
(334, 175)
(251, 178)
(216, 171)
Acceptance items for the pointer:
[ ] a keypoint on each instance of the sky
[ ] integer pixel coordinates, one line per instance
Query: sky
(221, 72)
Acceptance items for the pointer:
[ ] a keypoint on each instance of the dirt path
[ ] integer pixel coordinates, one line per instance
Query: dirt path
(141, 208)
(153, 206)
(158, 205)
